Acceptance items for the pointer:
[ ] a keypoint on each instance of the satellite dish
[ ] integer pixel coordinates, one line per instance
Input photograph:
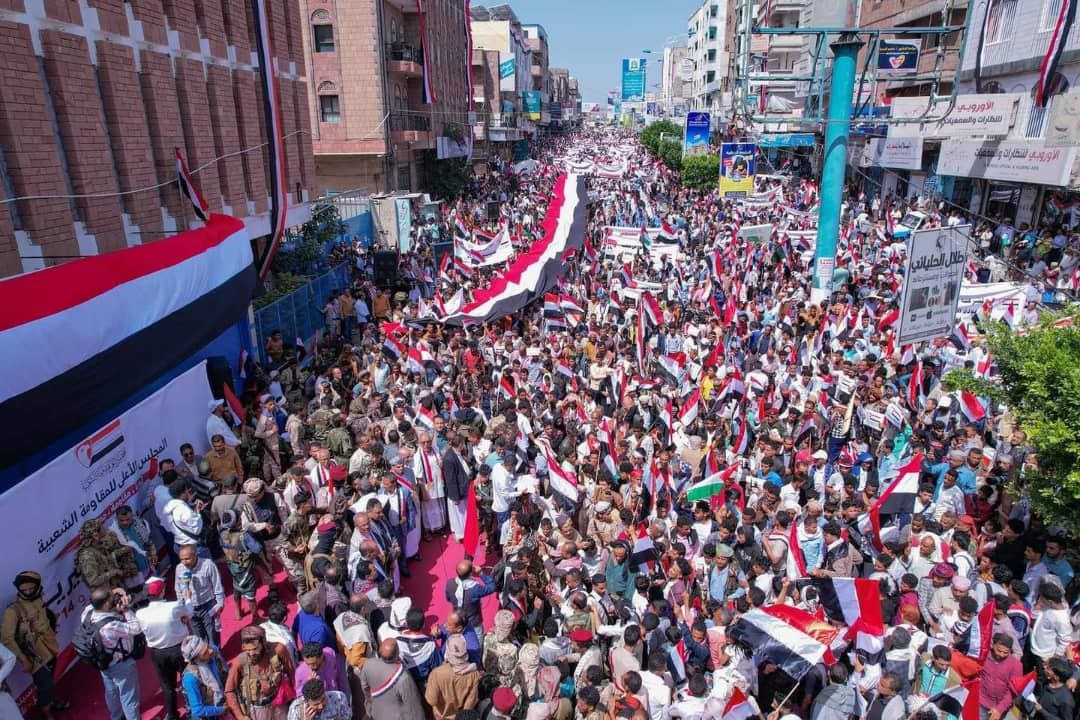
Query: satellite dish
(686, 70)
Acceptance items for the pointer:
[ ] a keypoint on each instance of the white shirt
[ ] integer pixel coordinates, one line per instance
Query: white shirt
(183, 521)
(9, 710)
(161, 623)
(503, 489)
(1050, 633)
(281, 635)
(216, 426)
(658, 692)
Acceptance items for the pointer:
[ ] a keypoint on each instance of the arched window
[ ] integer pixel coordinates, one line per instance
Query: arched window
(322, 31)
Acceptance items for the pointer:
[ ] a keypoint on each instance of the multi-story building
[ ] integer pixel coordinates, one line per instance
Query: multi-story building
(371, 126)
(564, 97)
(96, 96)
(541, 80)
(777, 53)
(1037, 190)
(498, 33)
(710, 37)
(673, 88)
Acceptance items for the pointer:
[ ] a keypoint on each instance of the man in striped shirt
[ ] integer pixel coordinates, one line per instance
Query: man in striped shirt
(118, 626)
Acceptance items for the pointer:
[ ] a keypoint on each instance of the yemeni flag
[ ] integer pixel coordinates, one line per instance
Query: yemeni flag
(960, 337)
(689, 411)
(972, 405)
(627, 275)
(563, 482)
(979, 633)
(639, 339)
(742, 438)
(393, 349)
(790, 638)
(1024, 686)
(188, 187)
(653, 314)
(414, 363)
(888, 319)
(738, 707)
(608, 451)
(1048, 69)
(470, 539)
(425, 416)
(716, 264)
(731, 308)
(960, 701)
(856, 602)
(915, 387)
(428, 87)
(898, 497)
(711, 486)
(671, 367)
(644, 552)
(506, 387)
(666, 415)
(235, 406)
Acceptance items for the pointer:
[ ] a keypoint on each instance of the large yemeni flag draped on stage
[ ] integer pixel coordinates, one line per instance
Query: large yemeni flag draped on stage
(100, 328)
(535, 270)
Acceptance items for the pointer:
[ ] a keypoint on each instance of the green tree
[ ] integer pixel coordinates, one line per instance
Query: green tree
(1039, 382)
(449, 177)
(701, 172)
(670, 151)
(650, 136)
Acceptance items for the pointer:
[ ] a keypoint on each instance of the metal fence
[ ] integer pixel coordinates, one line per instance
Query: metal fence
(299, 314)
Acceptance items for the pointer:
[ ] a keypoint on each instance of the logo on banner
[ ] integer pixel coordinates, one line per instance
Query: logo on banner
(101, 452)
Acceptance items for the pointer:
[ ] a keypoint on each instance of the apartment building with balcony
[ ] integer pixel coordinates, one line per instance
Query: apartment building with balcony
(371, 127)
(538, 69)
(95, 96)
(564, 98)
(710, 41)
(674, 91)
(778, 54)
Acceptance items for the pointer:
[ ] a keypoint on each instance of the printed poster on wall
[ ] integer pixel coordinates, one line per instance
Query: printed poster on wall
(898, 57)
(737, 169)
(403, 207)
(532, 104)
(696, 135)
(116, 465)
(507, 72)
(1063, 125)
(935, 271)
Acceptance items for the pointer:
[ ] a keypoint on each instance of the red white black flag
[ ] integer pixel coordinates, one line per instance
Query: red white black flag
(1048, 69)
(188, 187)
(279, 200)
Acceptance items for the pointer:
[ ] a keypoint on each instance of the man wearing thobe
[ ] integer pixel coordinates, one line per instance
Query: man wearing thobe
(216, 425)
(428, 470)
(390, 690)
(399, 511)
(266, 430)
(456, 476)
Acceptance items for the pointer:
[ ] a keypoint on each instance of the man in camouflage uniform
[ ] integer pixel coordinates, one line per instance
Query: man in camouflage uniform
(293, 546)
(101, 560)
(338, 441)
(321, 419)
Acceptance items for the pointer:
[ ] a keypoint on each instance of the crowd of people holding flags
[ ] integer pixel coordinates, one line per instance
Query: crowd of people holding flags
(683, 490)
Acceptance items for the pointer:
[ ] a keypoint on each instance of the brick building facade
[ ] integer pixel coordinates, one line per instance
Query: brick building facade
(96, 94)
(371, 128)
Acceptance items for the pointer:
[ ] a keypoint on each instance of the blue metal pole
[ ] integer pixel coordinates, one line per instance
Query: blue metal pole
(837, 123)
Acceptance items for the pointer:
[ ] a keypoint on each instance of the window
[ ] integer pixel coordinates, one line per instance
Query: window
(712, 32)
(394, 31)
(1000, 27)
(324, 38)
(1036, 123)
(1051, 10)
(712, 56)
(329, 109)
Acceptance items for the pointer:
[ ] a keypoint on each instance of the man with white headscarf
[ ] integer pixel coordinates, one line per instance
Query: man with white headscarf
(203, 679)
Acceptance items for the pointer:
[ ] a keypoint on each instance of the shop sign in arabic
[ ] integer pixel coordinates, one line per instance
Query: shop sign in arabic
(971, 115)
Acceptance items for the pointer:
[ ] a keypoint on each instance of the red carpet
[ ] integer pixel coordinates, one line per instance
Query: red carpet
(426, 586)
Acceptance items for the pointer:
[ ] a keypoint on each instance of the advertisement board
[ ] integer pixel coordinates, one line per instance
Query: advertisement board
(898, 57)
(904, 153)
(971, 115)
(633, 79)
(116, 465)
(532, 104)
(696, 136)
(737, 169)
(507, 72)
(403, 208)
(936, 261)
(1021, 162)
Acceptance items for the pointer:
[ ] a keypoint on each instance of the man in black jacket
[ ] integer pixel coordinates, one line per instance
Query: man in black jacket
(456, 476)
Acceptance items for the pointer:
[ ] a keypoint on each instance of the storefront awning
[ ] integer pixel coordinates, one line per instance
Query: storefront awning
(786, 140)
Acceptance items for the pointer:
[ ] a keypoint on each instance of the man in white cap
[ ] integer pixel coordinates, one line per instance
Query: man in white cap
(216, 425)
(164, 623)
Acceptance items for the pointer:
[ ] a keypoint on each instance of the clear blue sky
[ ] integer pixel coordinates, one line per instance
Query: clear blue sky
(590, 37)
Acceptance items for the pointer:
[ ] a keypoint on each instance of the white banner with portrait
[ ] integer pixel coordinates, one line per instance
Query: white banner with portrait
(116, 465)
(935, 271)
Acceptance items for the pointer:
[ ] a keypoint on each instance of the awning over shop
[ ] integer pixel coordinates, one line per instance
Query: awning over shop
(786, 140)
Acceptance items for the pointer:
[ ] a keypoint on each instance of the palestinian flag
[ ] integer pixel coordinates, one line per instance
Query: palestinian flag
(711, 486)
(960, 701)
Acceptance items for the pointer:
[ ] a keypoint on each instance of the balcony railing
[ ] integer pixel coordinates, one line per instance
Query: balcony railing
(403, 52)
(401, 121)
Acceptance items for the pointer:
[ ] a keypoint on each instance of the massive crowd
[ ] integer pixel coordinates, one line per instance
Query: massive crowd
(703, 495)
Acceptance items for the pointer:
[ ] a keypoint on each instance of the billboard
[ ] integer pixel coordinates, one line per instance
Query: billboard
(937, 259)
(1012, 161)
(117, 465)
(898, 57)
(980, 115)
(696, 137)
(902, 152)
(633, 79)
(507, 72)
(737, 169)
(532, 104)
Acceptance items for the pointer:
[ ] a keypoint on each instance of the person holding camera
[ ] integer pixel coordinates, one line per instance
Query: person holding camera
(119, 642)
